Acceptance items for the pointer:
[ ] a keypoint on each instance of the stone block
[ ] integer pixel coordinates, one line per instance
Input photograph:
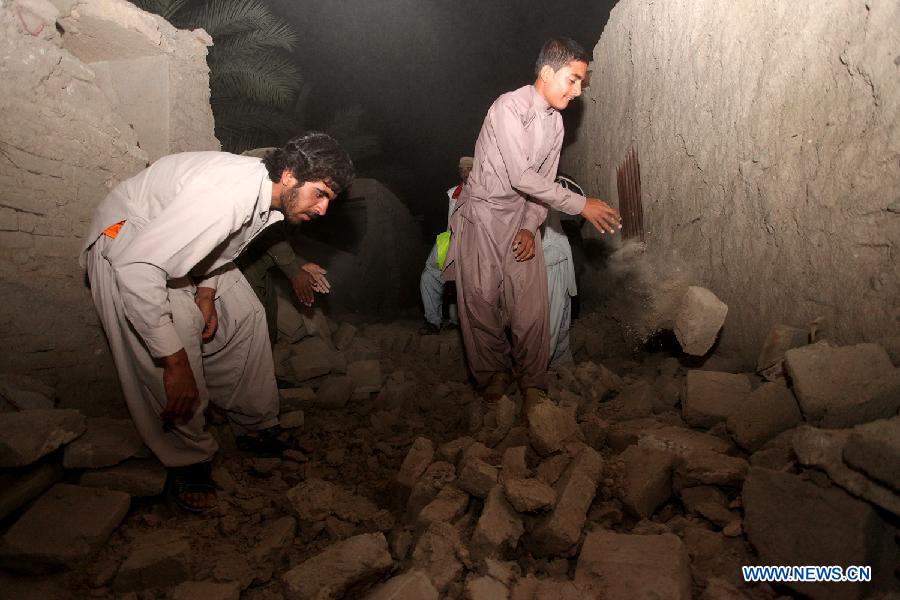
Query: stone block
(317, 499)
(311, 357)
(874, 449)
(485, 588)
(647, 481)
(366, 376)
(824, 448)
(708, 502)
(274, 540)
(344, 336)
(450, 451)
(513, 463)
(430, 483)
(20, 392)
(335, 391)
(160, 559)
(207, 590)
(549, 426)
(680, 441)
(552, 468)
(438, 553)
(291, 420)
(635, 400)
(28, 435)
(21, 486)
(698, 320)
(296, 398)
(420, 455)
(341, 566)
(478, 478)
(528, 495)
(710, 468)
(710, 397)
(769, 409)
(617, 566)
(63, 527)
(575, 491)
(105, 443)
(777, 454)
(792, 521)
(134, 477)
(780, 339)
(450, 504)
(498, 527)
(845, 386)
(413, 584)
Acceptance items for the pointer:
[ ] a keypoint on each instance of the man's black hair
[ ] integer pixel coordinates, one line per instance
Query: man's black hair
(313, 156)
(559, 52)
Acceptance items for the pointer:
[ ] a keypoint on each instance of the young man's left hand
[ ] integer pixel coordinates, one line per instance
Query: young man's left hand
(523, 245)
(310, 278)
(206, 302)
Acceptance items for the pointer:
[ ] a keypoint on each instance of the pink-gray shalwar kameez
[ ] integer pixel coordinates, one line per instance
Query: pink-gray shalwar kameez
(509, 189)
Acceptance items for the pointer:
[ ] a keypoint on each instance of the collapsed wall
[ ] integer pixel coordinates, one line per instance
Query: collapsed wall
(769, 141)
(92, 92)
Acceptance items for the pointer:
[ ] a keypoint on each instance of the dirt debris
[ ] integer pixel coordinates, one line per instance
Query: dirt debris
(408, 483)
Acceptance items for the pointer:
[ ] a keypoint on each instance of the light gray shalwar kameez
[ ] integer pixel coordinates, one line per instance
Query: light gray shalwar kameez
(187, 217)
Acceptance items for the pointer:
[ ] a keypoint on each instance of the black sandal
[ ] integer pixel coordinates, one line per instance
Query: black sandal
(192, 479)
(267, 442)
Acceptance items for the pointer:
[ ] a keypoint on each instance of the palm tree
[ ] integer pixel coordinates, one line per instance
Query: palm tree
(254, 84)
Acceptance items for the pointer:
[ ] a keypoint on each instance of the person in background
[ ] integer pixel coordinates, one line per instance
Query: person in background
(561, 287)
(272, 250)
(497, 263)
(431, 285)
(184, 327)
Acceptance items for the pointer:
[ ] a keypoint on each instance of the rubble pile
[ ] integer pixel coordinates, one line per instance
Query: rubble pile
(647, 476)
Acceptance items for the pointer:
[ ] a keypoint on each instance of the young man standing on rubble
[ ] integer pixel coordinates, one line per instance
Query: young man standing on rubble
(184, 327)
(497, 263)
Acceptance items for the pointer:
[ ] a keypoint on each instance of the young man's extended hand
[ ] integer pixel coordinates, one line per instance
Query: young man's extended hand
(602, 216)
(310, 278)
(523, 245)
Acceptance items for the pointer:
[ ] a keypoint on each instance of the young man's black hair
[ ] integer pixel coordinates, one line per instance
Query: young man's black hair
(313, 156)
(558, 52)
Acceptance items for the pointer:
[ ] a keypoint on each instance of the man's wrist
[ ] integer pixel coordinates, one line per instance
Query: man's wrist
(206, 293)
(177, 359)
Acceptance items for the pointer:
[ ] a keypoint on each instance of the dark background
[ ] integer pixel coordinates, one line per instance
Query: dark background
(425, 73)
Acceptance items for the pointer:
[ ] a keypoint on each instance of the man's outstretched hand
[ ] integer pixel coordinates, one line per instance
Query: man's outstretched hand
(602, 216)
(310, 278)
(523, 245)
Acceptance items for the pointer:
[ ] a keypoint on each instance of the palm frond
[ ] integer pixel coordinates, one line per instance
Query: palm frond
(241, 125)
(279, 36)
(222, 18)
(265, 78)
(167, 9)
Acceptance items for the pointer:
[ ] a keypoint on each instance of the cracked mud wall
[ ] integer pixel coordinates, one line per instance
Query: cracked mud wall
(72, 127)
(769, 141)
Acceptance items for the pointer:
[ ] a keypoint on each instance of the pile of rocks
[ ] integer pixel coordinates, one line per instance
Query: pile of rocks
(637, 478)
(78, 474)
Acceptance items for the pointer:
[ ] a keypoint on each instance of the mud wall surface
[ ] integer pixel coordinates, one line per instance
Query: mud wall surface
(769, 140)
(72, 127)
